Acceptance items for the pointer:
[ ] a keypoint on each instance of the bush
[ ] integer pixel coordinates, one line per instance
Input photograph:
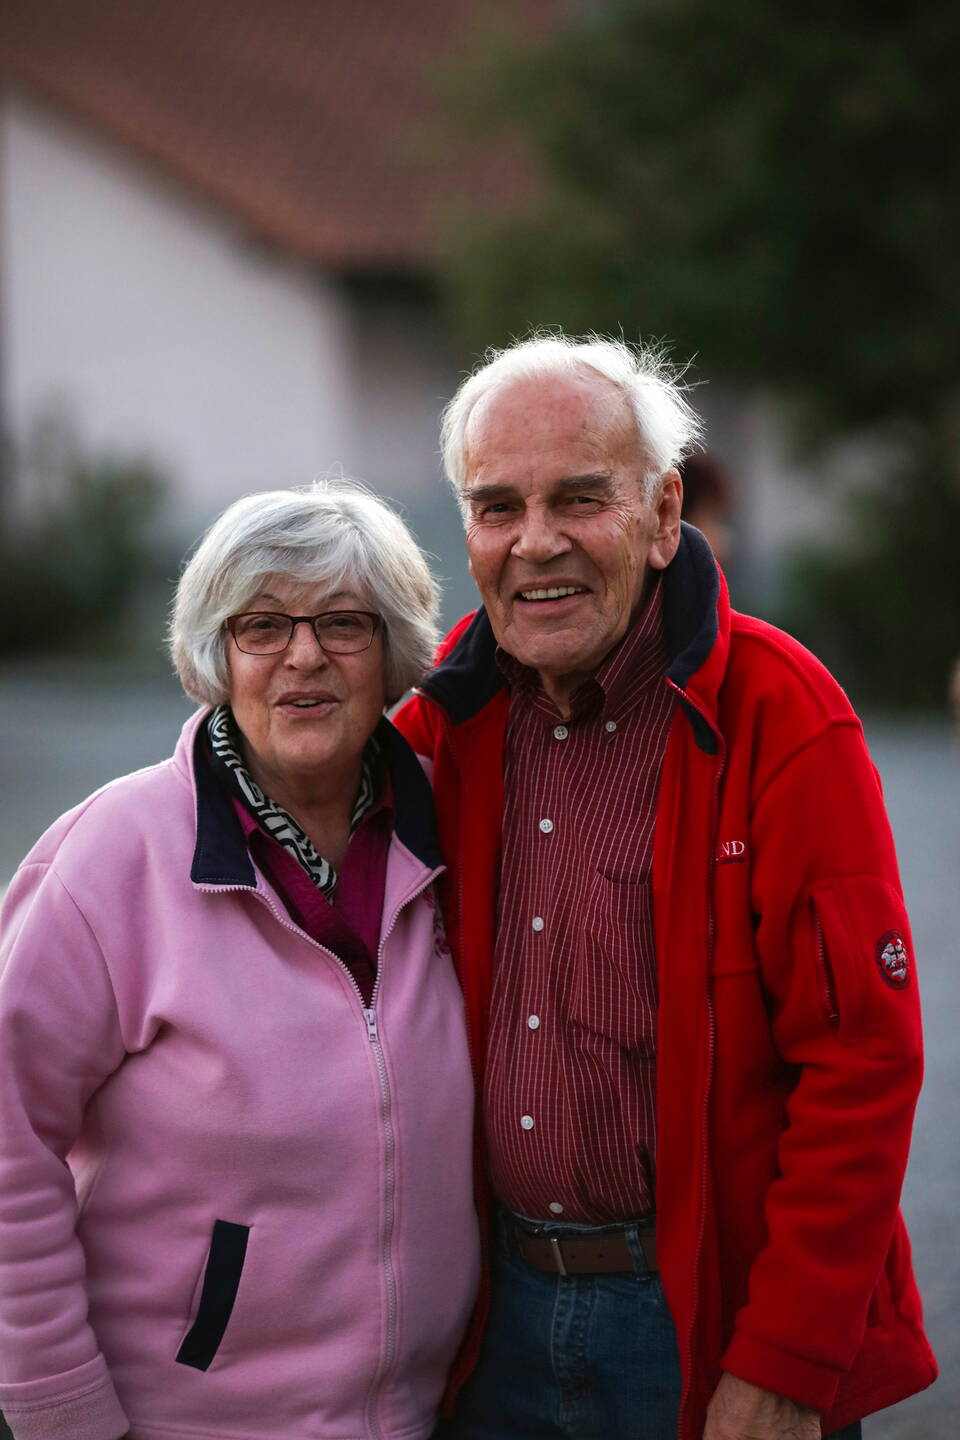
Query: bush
(72, 571)
(883, 609)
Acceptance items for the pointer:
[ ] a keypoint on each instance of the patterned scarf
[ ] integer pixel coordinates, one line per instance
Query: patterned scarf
(225, 741)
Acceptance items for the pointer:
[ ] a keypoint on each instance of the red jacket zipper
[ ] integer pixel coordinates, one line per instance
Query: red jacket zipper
(828, 984)
(704, 1132)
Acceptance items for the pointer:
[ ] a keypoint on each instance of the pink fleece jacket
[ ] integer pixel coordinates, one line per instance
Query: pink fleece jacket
(233, 1202)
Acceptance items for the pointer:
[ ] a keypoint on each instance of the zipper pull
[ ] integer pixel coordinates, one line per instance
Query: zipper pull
(371, 1018)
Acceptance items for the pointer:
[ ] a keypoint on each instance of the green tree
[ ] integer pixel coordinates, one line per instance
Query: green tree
(775, 189)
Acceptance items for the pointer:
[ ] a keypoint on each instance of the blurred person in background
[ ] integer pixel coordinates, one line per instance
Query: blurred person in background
(235, 1176)
(674, 902)
(708, 500)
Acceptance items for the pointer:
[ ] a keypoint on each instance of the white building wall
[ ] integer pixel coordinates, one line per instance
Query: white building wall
(406, 374)
(155, 323)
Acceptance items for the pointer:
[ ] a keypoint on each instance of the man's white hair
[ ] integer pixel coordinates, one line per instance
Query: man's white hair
(667, 424)
(333, 534)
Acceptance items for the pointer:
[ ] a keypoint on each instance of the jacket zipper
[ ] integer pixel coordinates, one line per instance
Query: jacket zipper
(704, 1131)
(828, 984)
(389, 1157)
(389, 1142)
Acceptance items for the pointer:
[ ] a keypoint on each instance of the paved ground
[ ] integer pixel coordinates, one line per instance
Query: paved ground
(920, 766)
(67, 731)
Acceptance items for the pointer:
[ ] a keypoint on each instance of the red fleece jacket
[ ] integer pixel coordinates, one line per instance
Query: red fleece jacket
(789, 1057)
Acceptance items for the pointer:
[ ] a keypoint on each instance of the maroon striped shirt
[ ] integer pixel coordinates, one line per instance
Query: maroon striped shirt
(570, 1084)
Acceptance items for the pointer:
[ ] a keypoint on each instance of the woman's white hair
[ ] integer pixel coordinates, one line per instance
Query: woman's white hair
(667, 424)
(333, 534)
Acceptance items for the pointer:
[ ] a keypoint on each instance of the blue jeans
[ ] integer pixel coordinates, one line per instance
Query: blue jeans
(576, 1357)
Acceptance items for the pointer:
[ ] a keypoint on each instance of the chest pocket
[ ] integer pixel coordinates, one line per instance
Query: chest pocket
(613, 973)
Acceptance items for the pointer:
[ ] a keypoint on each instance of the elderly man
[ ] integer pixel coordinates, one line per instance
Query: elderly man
(675, 905)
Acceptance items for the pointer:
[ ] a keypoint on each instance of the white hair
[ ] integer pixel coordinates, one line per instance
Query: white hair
(667, 424)
(334, 534)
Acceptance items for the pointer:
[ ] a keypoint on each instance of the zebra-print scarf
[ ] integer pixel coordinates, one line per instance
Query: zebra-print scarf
(225, 741)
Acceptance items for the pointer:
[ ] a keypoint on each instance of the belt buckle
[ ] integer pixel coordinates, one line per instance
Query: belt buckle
(557, 1254)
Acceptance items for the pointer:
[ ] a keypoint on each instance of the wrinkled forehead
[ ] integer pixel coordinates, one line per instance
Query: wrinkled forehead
(541, 430)
(524, 415)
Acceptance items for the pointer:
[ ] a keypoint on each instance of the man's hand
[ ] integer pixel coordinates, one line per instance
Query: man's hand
(741, 1411)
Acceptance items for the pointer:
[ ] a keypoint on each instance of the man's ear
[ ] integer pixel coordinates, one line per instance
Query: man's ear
(667, 507)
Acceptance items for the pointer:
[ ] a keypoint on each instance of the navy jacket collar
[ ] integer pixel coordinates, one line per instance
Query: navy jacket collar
(469, 677)
(221, 856)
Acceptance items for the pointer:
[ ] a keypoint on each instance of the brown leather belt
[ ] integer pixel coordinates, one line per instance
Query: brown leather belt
(573, 1254)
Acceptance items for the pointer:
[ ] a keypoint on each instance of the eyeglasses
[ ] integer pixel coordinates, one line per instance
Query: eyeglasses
(338, 632)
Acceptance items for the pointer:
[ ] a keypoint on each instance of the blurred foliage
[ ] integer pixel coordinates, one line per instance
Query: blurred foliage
(776, 190)
(74, 566)
(773, 188)
(883, 609)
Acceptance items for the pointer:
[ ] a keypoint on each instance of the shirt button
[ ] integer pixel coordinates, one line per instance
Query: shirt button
(556, 1207)
(526, 1121)
(537, 923)
(561, 732)
(610, 726)
(546, 826)
(533, 1021)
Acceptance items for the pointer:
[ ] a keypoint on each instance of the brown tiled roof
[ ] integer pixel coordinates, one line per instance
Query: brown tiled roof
(315, 122)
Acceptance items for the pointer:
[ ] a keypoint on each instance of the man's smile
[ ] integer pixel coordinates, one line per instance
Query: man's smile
(553, 592)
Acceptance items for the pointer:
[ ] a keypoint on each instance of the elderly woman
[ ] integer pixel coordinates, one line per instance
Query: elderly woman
(235, 1194)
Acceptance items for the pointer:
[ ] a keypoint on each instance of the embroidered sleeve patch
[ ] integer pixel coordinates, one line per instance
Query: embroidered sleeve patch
(893, 960)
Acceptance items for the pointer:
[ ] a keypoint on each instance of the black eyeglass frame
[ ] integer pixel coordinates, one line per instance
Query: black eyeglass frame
(294, 620)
